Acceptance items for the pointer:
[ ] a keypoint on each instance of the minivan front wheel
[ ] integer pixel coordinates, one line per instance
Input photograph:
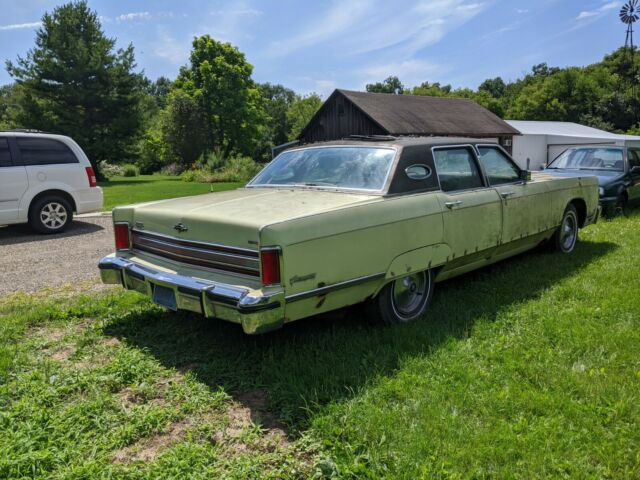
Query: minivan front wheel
(50, 214)
(403, 300)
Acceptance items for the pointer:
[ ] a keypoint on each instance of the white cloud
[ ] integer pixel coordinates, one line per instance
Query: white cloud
(363, 26)
(20, 26)
(240, 12)
(170, 49)
(598, 12)
(522, 11)
(127, 17)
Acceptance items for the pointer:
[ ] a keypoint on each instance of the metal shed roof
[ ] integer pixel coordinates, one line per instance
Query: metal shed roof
(565, 129)
(420, 115)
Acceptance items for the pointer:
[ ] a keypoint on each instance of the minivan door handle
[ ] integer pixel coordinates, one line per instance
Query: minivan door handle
(457, 203)
(507, 194)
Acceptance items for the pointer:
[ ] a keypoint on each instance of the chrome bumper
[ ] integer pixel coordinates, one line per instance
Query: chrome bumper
(256, 314)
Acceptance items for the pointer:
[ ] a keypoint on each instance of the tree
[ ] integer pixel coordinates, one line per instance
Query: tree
(75, 83)
(301, 112)
(494, 87)
(219, 79)
(159, 90)
(7, 100)
(184, 129)
(391, 84)
(277, 100)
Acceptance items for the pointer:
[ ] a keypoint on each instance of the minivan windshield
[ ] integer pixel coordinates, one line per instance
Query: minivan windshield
(342, 167)
(590, 158)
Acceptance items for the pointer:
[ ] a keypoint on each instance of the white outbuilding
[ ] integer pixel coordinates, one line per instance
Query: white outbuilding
(541, 142)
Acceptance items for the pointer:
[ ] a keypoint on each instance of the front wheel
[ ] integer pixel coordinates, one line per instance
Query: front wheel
(566, 236)
(403, 300)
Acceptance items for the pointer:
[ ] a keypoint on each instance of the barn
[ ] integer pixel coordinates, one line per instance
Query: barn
(347, 113)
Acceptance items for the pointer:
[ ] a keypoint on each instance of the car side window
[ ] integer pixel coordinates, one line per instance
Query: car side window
(5, 153)
(498, 167)
(634, 158)
(457, 169)
(44, 151)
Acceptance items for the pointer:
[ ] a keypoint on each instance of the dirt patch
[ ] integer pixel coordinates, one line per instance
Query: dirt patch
(255, 401)
(63, 354)
(147, 449)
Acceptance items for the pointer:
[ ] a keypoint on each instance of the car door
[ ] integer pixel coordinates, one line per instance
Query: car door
(472, 216)
(13, 184)
(524, 212)
(634, 173)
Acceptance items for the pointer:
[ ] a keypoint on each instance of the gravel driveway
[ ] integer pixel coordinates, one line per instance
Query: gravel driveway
(30, 262)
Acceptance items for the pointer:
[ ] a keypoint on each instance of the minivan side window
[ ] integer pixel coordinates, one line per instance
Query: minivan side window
(44, 151)
(634, 158)
(497, 166)
(5, 154)
(457, 169)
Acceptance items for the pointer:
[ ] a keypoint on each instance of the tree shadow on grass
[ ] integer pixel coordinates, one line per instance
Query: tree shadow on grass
(315, 361)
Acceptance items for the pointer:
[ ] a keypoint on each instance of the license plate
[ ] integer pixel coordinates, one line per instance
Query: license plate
(164, 296)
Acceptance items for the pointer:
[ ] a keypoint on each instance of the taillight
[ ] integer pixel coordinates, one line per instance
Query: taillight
(92, 177)
(121, 231)
(270, 263)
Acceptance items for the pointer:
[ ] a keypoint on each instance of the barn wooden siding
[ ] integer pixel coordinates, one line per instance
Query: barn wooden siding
(337, 119)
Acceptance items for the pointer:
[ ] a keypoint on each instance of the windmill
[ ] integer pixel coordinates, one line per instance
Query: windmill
(629, 14)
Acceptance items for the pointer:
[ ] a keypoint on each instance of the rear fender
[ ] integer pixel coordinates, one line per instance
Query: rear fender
(417, 260)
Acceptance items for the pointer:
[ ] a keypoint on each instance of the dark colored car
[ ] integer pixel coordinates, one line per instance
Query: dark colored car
(617, 169)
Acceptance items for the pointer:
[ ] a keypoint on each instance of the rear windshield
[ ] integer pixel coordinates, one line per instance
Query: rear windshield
(341, 167)
(595, 158)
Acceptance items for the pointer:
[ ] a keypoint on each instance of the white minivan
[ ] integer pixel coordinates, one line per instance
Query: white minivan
(44, 179)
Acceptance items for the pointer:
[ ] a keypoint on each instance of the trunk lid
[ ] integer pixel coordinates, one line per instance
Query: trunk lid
(234, 218)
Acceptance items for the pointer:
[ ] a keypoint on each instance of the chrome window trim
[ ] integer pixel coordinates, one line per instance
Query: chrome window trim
(474, 157)
(330, 288)
(385, 184)
(499, 147)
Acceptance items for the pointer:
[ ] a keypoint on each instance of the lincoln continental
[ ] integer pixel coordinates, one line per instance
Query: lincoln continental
(329, 225)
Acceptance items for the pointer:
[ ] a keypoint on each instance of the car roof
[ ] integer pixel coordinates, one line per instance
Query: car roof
(33, 133)
(398, 141)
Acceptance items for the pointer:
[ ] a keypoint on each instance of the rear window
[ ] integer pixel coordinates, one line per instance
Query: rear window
(5, 154)
(44, 151)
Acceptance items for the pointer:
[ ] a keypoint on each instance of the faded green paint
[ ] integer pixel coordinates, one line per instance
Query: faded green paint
(329, 237)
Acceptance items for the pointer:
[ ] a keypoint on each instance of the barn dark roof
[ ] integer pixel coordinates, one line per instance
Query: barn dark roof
(420, 115)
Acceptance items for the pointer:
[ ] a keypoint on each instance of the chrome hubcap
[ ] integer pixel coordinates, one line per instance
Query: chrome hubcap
(568, 232)
(409, 292)
(53, 215)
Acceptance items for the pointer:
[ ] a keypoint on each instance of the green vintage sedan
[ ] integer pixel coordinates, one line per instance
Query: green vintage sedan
(325, 226)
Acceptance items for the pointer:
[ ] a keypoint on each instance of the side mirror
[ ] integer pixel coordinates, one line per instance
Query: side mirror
(635, 170)
(525, 175)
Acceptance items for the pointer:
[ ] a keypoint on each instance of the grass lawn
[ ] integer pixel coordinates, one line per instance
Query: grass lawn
(527, 369)
(145, 188)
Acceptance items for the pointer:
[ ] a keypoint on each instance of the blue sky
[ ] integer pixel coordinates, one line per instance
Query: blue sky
(318, 46)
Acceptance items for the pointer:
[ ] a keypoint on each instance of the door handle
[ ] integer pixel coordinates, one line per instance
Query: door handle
(507, 194)
(457, 203)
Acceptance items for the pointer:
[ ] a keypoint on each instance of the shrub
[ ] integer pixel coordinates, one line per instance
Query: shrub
(172, 169)
(130, 171)
(109, 170)
(238, 169)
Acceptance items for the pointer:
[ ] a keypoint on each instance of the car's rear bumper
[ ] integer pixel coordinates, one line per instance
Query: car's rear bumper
(256, 312)
(89, 200)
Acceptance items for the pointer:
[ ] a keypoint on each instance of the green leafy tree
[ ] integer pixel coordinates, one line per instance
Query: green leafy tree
(301, 112)
(277, 101)
(7, 100)
(219, 79)
(391, 84)
(76, 83)
(494, 87)
(184, 129)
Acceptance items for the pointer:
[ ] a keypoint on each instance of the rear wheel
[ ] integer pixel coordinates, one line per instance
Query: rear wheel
(403, 300)
(50, 214)
(565, 238)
